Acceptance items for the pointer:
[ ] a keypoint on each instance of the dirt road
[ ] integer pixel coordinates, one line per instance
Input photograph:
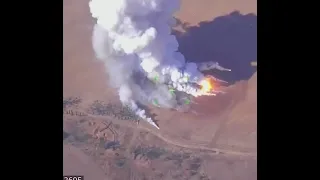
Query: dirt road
(178, 142)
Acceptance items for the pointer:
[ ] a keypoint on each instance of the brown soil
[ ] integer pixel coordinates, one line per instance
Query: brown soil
(219, 142)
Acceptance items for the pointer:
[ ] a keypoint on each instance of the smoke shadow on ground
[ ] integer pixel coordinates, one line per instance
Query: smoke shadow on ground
(230, 40)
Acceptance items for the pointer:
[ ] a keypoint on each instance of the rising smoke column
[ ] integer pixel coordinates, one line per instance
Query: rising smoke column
(133, 39)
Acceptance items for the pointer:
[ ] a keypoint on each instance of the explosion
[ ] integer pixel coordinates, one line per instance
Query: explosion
(133, 39)
(206, 85)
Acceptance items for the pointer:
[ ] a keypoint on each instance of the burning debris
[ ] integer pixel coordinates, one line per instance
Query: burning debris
(133, 38)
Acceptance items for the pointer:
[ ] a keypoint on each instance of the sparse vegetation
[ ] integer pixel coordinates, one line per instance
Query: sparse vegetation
(82, 137)
(138, 151)
(177, 158)
(126, 113)
(155, 153)
(112, 144)
(189, 164)
(150, 152)
(117, 111)
(193, 173)
(100, 108)
(101, 142)
(71, 101)
(195, 165)
(74, 113)
(197, 160)
(120, 162)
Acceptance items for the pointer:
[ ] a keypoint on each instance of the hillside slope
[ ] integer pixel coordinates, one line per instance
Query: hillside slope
(75, 162)
(226, 122)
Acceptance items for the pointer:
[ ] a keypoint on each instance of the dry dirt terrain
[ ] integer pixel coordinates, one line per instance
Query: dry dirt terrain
(217, 143)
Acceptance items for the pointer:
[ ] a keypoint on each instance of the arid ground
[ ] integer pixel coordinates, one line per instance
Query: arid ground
(217, 143)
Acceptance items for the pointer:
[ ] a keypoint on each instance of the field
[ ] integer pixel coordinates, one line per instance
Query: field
(216, 143)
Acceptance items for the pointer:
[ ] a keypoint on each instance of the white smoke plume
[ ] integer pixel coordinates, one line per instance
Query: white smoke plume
(133, 39)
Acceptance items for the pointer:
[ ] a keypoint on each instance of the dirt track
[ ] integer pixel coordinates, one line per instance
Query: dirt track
(167, 139)
(226, 32)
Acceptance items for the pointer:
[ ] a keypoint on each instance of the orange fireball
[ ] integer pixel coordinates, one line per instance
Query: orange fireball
(206, 85)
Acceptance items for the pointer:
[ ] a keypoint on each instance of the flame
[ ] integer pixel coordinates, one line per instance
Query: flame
(206, 85)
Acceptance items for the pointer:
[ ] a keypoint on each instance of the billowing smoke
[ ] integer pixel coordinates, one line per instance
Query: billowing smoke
(133, 39)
